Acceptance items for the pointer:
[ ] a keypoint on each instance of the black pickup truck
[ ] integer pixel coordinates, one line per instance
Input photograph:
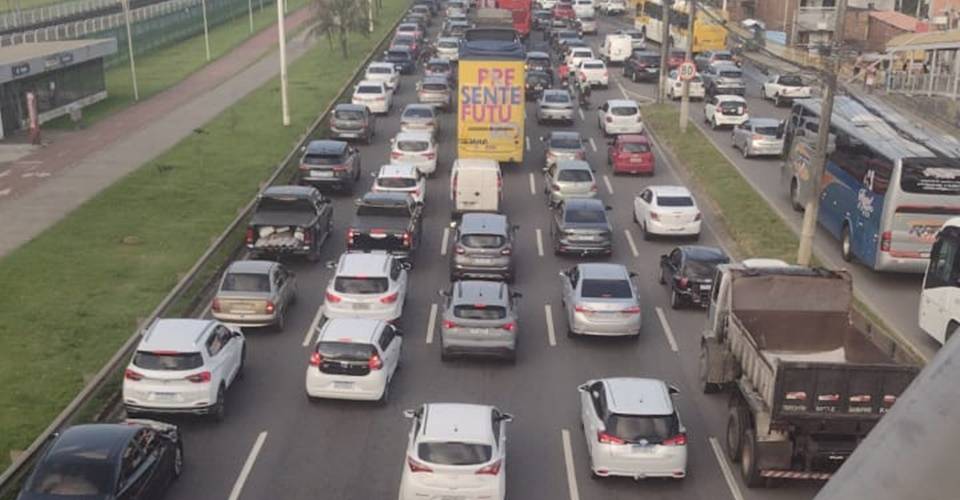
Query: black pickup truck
(386, 221)
(289, 220)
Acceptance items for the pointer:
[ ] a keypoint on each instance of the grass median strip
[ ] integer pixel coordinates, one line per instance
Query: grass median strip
(74, 294)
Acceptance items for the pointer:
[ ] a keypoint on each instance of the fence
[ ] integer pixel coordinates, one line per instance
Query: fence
(38, 15)
(928, 84)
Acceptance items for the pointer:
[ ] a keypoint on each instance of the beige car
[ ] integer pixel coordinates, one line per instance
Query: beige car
(255, 293)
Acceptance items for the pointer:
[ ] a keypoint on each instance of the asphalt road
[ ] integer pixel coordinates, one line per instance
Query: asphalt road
(892, 296)
(276, 444)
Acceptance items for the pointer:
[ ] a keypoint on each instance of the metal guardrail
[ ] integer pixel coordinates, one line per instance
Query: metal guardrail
(188, 292)
(38, 15)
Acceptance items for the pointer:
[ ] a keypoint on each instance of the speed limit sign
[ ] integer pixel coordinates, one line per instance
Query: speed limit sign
(687, 71)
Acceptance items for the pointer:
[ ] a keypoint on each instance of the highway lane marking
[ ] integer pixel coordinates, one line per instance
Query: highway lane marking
(667, 331)
(593, 145)
(606, 181)
(247, 467)
(551, 332)
(206, 310)
(623, 91)
(539, 243)
(580, 112)
(533, 185)
(571, 470)
(313, 326)
(431, 323)
(725, 469)
(446, 240)
(633, 246)
(528, 142)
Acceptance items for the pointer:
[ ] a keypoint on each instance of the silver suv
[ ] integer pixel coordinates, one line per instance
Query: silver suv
(482, 247)
(479, 317)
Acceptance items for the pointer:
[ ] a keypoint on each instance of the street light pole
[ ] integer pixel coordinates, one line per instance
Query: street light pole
(664, 49)
(133, 63)
(206, 29)
(685, 96)
(370, 15)
(809, 229)
(250, 13)
(282, 35)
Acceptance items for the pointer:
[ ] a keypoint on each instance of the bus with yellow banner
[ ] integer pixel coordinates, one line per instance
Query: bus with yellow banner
(708, 34)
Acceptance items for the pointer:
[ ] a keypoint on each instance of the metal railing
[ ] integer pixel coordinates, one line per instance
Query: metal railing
(187, 296)
(924, 84)
(19, 17)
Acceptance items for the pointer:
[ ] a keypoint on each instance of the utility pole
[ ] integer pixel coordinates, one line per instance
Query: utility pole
(370, 15)
(133, 64)
(282, 35)
(250, 13)
(685, 96)
(805, 252)
(664, 50)
(206, 29)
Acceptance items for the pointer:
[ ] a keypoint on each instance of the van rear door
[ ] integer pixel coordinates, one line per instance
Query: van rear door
(477, 190)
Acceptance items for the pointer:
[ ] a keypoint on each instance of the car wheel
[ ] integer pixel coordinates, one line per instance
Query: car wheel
(777, 101)
(846, 245)
(635, 220)
(795, 196)
(675, 300)
(444, 353)
(713, 123)
(178, 461)
(661, 278)
(220, 408)
(745, 150)
(385, 397)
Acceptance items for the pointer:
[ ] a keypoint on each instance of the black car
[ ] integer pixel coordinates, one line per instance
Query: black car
(332, 164)
(403, 59)
(536, 83)
(134, 460)
(642, 65)
(688, 273)
(541, 19)
(580, 226)
(538, 61)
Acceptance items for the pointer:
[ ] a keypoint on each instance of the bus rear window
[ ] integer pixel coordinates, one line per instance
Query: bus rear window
(931, 176)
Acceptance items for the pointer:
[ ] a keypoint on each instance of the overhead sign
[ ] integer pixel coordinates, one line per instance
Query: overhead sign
(687, 71)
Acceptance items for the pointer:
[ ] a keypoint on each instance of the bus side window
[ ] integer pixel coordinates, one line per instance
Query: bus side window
(944, 263)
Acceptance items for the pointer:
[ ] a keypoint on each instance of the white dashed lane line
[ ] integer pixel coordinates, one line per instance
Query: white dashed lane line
(551, 332)
(606, 181)
(445, 241)
(667, 331)
(570, 467)
(528, 142)
(726, 469)
(539, 243)
(307, 337)
(533, 185)
(593, 145)
(247, 467)
(633, 246)
(580, 112)
(431, 323)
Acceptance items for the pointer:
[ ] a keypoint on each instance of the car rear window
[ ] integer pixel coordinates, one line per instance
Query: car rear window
(437, 86)
(451, 453)
(417, 113)
(369, 89)
(75, 472)
(731, 74)
(270, 204)
(556, 98)
(345, 351)
(674, 201)
(652, 428)
(703, 269)
(565, 143)
(480, 311)
(650, 60)
(624, 111)
(383, 211)
(582, 53)
(379, 70)
(445, 44)
(413, 146)
(636, 147)
(606, 289)
(791, 81)
(767, 130)
(731, 105)
(396, 182)
(315, 159)
(358, 285)
(482, 240)
(574, 176)
(168, 361)
(438, 67)
(584, 216)
(398, 54)
(246, 282)
(722, 56)
(348, 115)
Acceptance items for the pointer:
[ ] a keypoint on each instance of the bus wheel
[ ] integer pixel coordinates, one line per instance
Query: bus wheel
(846, 246)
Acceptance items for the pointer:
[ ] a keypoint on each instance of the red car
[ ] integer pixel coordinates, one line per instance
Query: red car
(564, 11)
(676, 58)
(630, 154)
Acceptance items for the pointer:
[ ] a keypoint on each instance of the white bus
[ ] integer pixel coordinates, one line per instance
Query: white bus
(649, 19)
(940, 298)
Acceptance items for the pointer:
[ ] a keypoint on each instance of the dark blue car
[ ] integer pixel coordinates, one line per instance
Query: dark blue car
(402, 59)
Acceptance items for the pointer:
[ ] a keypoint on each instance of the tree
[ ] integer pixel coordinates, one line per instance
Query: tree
(336, 19)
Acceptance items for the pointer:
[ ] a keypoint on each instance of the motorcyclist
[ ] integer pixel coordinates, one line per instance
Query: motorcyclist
(584, 90)
(563, 71)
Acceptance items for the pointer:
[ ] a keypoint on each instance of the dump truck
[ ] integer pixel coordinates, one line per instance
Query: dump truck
(806, 384)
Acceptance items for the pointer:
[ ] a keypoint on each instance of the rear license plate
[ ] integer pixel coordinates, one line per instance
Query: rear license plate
(163, 396)
(450, 497)
(642, 449)
(636, 160)
(705, 287)
(361, 307)
(477, 331)
(321, 173)
(378, 236)
(343, 385)
(483, 260)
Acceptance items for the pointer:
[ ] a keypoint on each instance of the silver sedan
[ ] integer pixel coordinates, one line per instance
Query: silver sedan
(555, 105)
(758, 136)
(254, 293)
(600, 299)
(568, 179)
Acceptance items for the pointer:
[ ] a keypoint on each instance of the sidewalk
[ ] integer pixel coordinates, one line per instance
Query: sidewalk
(41, 188)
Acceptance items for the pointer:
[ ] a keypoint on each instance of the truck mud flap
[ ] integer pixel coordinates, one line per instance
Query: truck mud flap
(774, 455)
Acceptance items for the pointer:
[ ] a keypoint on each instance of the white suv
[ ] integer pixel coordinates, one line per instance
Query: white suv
(620, 116)
(455, 451)
(354, 359)
(366, 285)
(632, 428)
(723, 109)
(594, 72)
(183, 366)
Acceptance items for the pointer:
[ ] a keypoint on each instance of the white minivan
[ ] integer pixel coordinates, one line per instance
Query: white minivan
(475, 186)
(616, 48)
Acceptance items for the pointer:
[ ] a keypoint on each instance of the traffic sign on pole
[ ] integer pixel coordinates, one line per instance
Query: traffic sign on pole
(687, 71)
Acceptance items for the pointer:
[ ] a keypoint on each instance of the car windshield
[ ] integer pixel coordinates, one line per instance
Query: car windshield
(557, 98)
(565, 143)
(791, 81)
(452, 453)
(535, 78)
(368, 89)
(771, 131)
(624, 111)
(284, 205)
(482, 240)
(417, 113)
(163, 361)
(321, 159)
(480, 311)
(396, 182)
(634, 428)
(581, 53)
(585, 215)
(74, 472)
(674, 201)
(360, 285)
(436, 86)
(539, 62)
(348, 114)
(635, 147)
(345, 351)
(413, 146)
(575, 175)
(379, 70)
(438, 68)
(605, 289)
(246, 282)
(703, 269)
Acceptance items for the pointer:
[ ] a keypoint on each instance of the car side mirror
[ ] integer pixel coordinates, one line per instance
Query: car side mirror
(406, 265)
(608, 208)
(633, 274)
(410, 413)
(506, 417)
(673, 391)
(303, 149)
(443, 293)
(583, 387)
(331, 264)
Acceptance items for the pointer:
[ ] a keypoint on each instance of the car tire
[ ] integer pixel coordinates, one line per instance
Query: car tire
(444, 353)
(178, 461)
(635, 219)
(220, 408)
(795, 196)
(646, 235)
(675, 301)
(713, 123)
(846, 244)
(385, 397)
(777, 102)
(748, 459)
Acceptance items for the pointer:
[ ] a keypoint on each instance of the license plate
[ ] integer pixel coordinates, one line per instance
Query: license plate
(378, 236)
(483, 260)
(321, 173)
(705, 287)
(642, 449)
(449, 497)
(343, 385)
(243, 311)
(349, 134)
(636, 160)
(477, 331)
(163, 396)
(361, 307)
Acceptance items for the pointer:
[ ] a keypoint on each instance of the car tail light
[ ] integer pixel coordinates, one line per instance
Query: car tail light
(697, 217)
(307, 237)
(430, 156)
(350, 235)
(250, 236)
(888, 400)
(491, 470)
(606, 438)
(506, 251)
(885, 241)
(316, 359)
(632, 310)
(331, 297)
(606, 73)
(508, 327)
(609, 119)
(460, 250)
(390, 299)
(407, 239)
(593, 187)
(678, 440)
(583, 309)
(417, 466)
(304, 166)
(449, 324)
(654, 216)
(499, 182)
(555, 186)
(271, 307)
(375, 363)
(200, 378)
(215, 306)
(339, 168)
(796, 396)
(132, 375)
(396, 154)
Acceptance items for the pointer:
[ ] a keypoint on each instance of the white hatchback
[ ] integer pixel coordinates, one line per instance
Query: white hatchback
(383, 72)
(455, 451)
(620, 116)
(723, 109)
(376, 96)
(401, 178)
(366, 285)
(675, 87)
(667, 211)
(415, 148)
(183, 366)
(632, 428)
(354, 359)
(594, 71)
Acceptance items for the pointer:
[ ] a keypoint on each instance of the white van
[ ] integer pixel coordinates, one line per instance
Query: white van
(475, 186)
(616, 48)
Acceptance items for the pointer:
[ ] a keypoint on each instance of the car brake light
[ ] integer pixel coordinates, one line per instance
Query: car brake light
(609, 119)
(316, 359)
(756, 137)
(375, 363)
(390, 299)
(350, 235)
(407, 239)
(632, 310)
(449, 324)
(416, 466)
(492, 469)
(429, 156)
(215, 306)
(330, 297)
(396, 154)
(499, 182)
(607, 438)
(678, 440)
(508, 327)
(250, 236)
(654, 216)
(582, 309)
(200, 378)
(132, 375)
(506, 251)
(271, 307)
(683, 282)
(593, 187)
(885, 241)
(460, 250)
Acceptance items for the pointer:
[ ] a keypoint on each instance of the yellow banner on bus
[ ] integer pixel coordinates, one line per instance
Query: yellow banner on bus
(490, 112)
